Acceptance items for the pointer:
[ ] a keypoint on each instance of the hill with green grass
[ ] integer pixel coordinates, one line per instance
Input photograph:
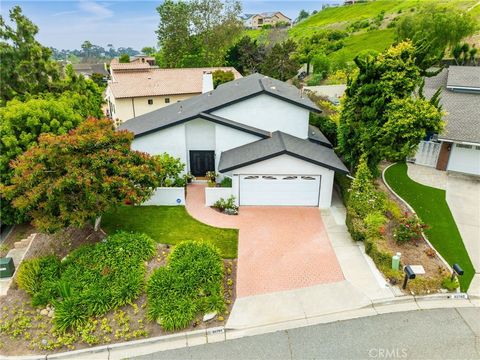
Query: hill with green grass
(377, 35)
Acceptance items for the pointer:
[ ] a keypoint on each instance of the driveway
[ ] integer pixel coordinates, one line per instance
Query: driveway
(280, 248)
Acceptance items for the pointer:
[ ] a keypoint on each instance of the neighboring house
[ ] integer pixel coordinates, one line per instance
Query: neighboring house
(256, 21)
(87, 70)
(138, 88)
(332, 92)
(254, 130)
(457, 148)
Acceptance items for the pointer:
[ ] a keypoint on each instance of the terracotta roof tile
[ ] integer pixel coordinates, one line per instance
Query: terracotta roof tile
(155, 82)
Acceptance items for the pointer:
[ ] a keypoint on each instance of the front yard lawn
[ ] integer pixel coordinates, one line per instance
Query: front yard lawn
(431, 206)
(170, 225)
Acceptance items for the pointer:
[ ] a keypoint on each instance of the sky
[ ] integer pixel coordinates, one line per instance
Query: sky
(122, 23)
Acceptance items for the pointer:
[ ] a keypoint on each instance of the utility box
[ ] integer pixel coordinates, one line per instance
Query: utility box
(7, 268)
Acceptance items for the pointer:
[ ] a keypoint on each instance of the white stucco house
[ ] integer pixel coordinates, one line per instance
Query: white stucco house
(254, 130)
(457, 148)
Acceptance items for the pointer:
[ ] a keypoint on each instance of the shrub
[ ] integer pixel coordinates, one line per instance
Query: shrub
(171, 168)
(410, 228)
(92, 280)
(393, 210)
(355, 226)
(189, 285)
(227, 205)
(450, 285)
(364, 198)
(226, 182)
(34, 274)
(374, 223)
(321, 65)
(221, 77)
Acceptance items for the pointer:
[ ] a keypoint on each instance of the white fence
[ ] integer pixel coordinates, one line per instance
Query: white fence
(212, 194)
(427, 153)
(167, 196)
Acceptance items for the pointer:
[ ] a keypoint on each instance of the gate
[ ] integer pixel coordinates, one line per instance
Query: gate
(427, 153)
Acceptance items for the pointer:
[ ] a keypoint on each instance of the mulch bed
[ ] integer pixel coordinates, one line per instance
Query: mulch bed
(124, 324)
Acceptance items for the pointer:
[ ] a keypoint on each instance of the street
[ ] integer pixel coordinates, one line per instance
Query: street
(423, 334)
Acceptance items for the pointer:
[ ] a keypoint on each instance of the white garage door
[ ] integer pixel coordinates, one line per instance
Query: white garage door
(287, 190)
(465, 159)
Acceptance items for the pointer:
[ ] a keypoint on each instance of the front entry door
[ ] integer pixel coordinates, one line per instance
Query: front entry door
(201, 161)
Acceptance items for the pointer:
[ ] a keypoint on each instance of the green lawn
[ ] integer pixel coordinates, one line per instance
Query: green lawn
(170, 225)
(431, 206)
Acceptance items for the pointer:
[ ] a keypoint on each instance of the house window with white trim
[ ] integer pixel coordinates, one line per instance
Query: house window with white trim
(167, 100)
(150, 101)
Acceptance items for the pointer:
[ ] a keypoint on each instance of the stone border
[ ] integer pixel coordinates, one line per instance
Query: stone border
(414, 212)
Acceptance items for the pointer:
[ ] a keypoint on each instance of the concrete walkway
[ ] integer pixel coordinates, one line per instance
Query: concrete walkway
(358, 268)
(463, 198)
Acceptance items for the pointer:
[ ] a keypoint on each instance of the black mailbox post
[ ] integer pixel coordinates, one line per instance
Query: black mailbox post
(457, 270)
(409, 274)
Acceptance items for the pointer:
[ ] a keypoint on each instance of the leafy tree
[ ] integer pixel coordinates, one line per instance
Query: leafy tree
(149, 50)
(86, 47)
(171, 169)
(124, 58)
(98, 79)
(68, 180)
(302, 15)
(280, 62)
(433, 29)
(246, 55)
(221, 77)
(198, 31)
(321, 65)
(173, 31)
(379, 117)
(26, 66)
(464, 54)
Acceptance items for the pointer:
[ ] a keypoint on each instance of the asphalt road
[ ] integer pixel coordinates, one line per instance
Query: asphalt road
(422, 334)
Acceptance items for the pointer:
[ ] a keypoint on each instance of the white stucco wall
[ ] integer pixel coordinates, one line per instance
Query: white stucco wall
(288, 165)
(213, 194)
(268, 113)
(167, 196)
(170, 140)
(227, 138)
(464, 160)
(200, 135)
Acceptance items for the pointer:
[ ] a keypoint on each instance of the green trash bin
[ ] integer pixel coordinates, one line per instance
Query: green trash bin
(7, 268)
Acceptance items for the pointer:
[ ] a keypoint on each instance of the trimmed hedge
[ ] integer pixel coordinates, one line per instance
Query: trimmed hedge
(189, 285)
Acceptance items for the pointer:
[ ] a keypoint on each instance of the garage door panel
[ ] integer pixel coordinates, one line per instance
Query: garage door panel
(286, 190)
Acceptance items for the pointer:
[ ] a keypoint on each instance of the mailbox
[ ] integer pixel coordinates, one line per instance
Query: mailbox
(409, 274)
(7, 268)
(457, 270)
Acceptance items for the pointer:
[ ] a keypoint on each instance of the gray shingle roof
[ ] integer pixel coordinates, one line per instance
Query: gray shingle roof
(462, 109)
(463, 77)
(279, 144)
(315, 135)
(228, 93)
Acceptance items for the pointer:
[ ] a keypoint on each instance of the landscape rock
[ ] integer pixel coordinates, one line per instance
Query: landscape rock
(51, 313)
(209, 316)
(44, 312)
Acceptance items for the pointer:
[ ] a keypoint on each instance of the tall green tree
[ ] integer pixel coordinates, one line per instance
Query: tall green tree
(71, 179)
(433, 29)
(380, 118)
(246, 55)
(149, 50)
(280, 62)
(197, 31)
(26, 66)
(173, 32)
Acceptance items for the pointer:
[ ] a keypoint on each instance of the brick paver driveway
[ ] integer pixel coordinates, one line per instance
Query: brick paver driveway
(280, 248)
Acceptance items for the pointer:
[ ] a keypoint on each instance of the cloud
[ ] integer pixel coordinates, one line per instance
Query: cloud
(99, 11)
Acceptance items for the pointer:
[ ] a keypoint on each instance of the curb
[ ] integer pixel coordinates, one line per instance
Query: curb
(414, 212)
(219, 334)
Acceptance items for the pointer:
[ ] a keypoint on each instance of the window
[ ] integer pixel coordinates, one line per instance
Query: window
(251, 177)
(150, 101)
(268, 177)
(463, 146)
(167, 100)
(308, 178)
(289, 178)
(477, 147)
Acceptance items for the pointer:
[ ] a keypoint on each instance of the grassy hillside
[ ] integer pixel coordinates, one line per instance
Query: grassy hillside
(376, 40)
(340, 17)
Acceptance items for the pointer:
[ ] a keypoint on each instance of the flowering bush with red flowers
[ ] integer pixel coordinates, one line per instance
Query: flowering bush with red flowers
(409, 229)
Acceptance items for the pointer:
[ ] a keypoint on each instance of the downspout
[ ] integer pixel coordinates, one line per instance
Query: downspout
(133, 106)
